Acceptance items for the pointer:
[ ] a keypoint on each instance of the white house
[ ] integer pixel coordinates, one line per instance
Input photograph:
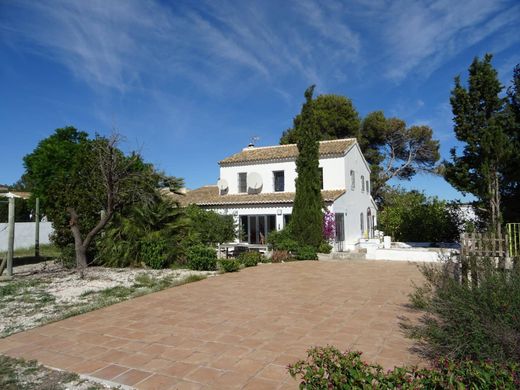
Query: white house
(257, 186)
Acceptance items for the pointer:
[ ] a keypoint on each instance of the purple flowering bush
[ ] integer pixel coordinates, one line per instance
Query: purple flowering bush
(329, 226)
(328, 368)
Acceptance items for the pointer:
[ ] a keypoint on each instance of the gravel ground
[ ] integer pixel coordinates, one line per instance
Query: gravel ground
(45, 292)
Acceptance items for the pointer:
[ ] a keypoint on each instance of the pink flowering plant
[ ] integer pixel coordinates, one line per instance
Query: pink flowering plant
(329, 226)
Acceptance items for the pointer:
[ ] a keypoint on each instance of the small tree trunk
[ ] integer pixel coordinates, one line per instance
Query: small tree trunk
(81, 257)
(494, 201)
(80, 248)
(498, 216)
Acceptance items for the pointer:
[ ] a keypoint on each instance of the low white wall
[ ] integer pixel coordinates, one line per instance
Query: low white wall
(24, 234)
(405, 255)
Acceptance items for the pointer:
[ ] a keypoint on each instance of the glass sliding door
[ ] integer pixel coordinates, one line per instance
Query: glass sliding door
(261, 229)
(257, 227)
(244, 229)
(253, 229)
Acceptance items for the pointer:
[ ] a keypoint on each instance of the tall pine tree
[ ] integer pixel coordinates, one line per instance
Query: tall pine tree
(511, 189)
(481, 124)
(307, 216)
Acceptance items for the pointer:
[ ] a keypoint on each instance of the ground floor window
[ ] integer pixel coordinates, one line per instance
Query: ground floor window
(286, 219)
(255, 228)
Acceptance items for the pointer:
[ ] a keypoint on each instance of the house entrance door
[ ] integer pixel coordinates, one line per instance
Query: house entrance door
(339, 219)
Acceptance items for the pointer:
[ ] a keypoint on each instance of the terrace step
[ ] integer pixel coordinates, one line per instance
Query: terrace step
(359, 254)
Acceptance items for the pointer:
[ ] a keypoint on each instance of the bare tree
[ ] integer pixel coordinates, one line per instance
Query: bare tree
(114, 180)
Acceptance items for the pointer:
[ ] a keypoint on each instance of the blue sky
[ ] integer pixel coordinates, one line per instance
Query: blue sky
(188, 83)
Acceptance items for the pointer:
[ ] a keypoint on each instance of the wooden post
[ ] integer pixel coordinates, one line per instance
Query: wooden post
(464, 250)
(37, 228)
(473, 258)
(10, 238)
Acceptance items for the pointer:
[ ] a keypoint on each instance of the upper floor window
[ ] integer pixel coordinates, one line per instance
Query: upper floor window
(242, 182)
(362, 183)
(352, 180)
(367, 187)
(321, 178)
(279, 181)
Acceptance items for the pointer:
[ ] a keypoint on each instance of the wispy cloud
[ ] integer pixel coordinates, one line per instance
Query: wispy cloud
(121, 44)
(421, 37)
(213, 45)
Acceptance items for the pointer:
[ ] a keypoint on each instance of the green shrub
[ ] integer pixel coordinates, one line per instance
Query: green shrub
(477, 319)
(324, 247)
(151, 233)
(229, 265)
(67, 256)
(279, 256)
(412, 216)
(328, 368)
(202, 258)
(306, 253)
(210, 227)
(154, 253)
(282, 240)
(250, 259)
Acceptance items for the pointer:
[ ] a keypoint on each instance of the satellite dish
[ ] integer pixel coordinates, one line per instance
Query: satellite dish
(222, 184)
(254, 181)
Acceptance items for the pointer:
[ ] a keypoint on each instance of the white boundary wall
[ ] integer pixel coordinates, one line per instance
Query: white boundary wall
(415, 254)
(24, 234)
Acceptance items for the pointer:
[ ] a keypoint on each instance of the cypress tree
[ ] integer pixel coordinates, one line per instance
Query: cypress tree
(307, 216)
(480, 123)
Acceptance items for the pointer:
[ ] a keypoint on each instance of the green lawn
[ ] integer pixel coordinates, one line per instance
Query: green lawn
(47, 250)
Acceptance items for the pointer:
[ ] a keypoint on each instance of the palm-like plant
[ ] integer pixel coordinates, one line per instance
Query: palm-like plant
(150, 233)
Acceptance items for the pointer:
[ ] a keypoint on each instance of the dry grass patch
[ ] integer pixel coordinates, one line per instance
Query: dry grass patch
(18, 374)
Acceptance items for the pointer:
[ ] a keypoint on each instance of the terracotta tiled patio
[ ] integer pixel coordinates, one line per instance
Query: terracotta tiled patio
(233, 331)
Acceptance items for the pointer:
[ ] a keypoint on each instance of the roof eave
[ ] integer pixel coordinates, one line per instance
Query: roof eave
(271, 160)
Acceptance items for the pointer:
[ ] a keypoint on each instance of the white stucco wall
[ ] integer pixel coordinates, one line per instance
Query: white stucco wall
(230, 174)
(24, 234)
(404, 255)
(357, 201)
(333, 174)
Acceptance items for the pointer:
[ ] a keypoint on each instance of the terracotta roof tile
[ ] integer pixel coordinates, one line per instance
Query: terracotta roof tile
(282, 152)
(209, 195)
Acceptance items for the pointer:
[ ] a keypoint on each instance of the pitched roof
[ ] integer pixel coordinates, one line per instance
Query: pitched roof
(282, 152)
(209, 196)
